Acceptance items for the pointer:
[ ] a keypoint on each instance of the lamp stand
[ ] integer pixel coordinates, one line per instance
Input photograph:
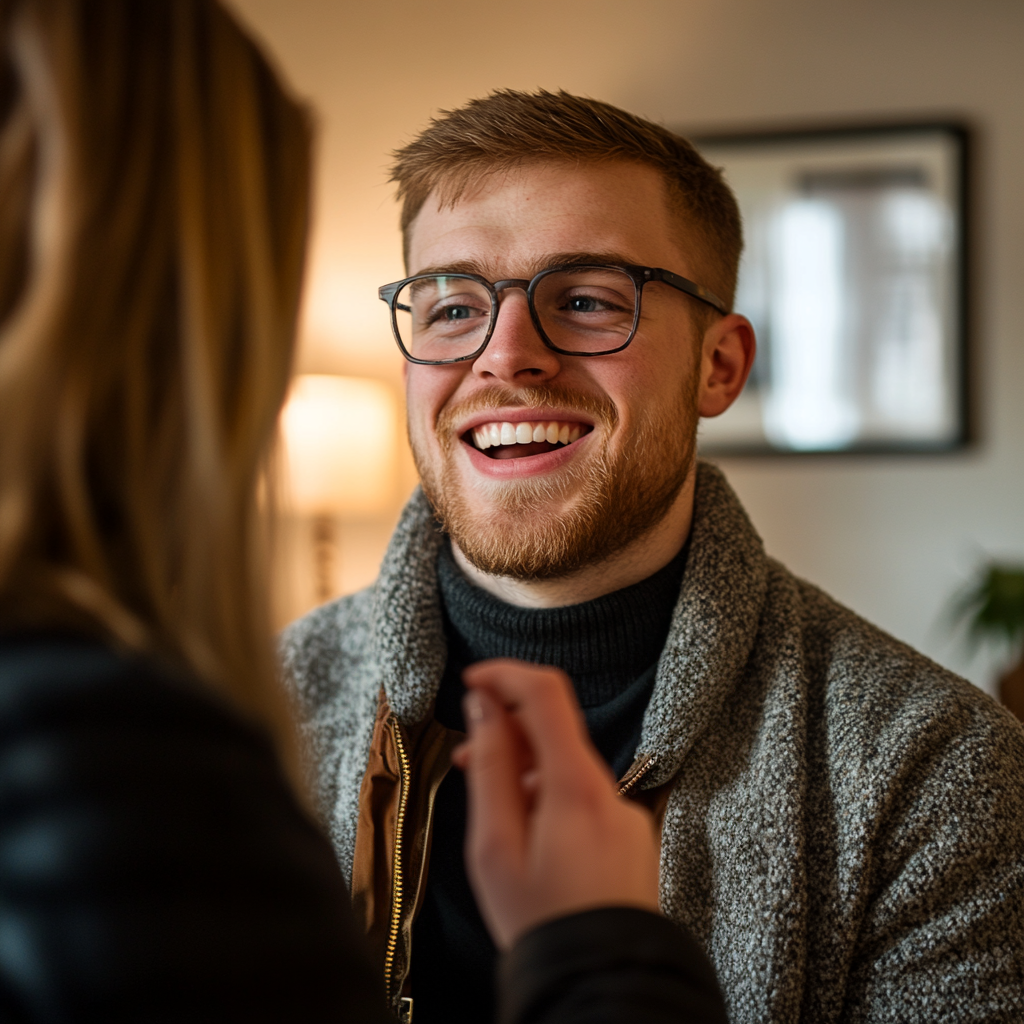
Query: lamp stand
(325, 551)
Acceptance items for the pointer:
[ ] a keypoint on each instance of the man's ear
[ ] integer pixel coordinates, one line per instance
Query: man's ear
(727, 355)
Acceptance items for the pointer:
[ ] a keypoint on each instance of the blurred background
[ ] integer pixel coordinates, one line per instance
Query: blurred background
(896, 537)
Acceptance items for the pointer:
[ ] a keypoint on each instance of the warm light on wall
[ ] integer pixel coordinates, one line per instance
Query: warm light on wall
(339, 438)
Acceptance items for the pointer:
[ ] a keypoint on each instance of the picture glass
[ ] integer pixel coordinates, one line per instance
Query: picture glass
(852, 277)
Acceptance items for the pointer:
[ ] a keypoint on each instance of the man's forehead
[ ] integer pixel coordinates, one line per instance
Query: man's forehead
(516, 224)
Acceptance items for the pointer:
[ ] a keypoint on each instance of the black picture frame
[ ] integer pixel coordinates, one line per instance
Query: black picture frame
(861, 149)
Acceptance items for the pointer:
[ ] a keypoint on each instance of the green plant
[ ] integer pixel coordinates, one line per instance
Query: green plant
(992, 608)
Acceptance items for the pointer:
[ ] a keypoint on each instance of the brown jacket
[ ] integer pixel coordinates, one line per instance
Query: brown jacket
(404, 769)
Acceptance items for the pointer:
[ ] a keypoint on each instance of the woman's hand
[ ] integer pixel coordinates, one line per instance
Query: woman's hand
(547, 833)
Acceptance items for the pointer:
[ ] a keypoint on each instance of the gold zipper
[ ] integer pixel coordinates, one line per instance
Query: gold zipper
(396, 866)
(635, 774)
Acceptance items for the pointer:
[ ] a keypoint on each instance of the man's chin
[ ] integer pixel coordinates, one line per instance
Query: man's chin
(517, 504)
(514, 528)
(516, 547)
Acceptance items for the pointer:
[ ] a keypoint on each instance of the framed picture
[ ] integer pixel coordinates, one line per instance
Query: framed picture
(854, 276)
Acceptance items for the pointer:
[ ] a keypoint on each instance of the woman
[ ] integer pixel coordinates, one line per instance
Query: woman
(154, 862)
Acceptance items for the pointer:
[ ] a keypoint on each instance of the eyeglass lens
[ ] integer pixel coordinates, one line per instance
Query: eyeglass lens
(582, 309)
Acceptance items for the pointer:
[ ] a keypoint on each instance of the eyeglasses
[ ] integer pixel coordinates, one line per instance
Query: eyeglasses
(585, 310)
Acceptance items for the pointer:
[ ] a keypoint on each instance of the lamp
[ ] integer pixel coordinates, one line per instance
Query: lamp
(339, 453)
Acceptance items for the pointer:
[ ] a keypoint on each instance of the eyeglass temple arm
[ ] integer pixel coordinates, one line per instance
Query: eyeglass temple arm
(690, 287)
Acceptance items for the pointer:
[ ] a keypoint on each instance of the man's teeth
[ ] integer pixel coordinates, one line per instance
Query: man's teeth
(491, 435)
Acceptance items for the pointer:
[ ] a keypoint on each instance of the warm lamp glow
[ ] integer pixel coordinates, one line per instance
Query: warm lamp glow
(339, 442)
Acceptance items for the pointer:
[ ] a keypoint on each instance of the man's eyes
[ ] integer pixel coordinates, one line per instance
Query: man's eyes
(591, 303)
(455, 312)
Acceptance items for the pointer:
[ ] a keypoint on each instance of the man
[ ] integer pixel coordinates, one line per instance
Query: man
(841, 820)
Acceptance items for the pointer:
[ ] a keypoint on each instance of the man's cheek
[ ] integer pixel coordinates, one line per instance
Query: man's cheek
(426, 440)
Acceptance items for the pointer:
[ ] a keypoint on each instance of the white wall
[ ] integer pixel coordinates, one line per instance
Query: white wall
(892, 537)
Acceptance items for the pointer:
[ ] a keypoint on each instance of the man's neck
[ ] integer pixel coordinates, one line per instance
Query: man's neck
(635, 562)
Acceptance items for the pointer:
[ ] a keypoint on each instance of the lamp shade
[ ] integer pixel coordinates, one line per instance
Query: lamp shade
(339, 438)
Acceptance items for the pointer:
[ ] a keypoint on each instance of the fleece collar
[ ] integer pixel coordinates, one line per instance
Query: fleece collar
(713, 629)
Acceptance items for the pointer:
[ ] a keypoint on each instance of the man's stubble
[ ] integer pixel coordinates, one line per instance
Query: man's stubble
(551, 526)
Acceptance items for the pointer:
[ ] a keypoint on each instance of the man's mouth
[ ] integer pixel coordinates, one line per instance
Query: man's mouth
(504, 440)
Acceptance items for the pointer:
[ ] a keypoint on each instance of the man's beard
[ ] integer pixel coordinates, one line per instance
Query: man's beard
(552, 525)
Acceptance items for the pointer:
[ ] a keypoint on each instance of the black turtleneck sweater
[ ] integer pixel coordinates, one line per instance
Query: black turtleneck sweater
(609, 647)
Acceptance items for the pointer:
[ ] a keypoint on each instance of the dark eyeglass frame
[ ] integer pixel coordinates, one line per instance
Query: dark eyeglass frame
(641, 275)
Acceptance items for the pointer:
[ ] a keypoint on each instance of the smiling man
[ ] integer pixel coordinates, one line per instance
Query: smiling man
(559, 456)
(841, 820)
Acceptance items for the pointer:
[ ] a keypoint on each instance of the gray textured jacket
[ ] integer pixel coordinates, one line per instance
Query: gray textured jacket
(845, 835)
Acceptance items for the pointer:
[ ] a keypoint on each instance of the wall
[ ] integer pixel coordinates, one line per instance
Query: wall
(892, 537)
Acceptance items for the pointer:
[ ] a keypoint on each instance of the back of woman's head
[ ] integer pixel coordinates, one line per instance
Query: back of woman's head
(154, 182)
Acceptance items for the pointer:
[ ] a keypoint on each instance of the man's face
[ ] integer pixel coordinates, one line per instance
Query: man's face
(611, 438)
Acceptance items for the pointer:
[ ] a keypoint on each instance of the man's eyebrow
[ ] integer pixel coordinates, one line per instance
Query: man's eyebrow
(458, 267)
(557, 259)
(577, 259)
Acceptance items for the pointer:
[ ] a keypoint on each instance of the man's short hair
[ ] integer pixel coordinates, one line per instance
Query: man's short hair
(509, 128)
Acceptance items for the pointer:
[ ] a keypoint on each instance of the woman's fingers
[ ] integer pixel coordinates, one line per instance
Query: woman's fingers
(497, 804)
(547, 833)
(544, 705)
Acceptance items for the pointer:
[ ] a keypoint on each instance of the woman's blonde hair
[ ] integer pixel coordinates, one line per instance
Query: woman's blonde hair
(154, 191)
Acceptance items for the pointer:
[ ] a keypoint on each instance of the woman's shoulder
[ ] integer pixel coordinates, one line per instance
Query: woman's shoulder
(148, 832)
(52, 676)
(133, 750)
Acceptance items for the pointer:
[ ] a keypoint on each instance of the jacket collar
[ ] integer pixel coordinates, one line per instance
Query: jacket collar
(713, 627)
(408, 634)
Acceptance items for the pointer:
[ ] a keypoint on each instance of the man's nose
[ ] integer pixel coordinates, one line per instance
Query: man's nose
(516, 354)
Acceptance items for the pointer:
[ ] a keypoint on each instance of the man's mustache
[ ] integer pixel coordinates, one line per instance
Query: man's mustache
(599, 408)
